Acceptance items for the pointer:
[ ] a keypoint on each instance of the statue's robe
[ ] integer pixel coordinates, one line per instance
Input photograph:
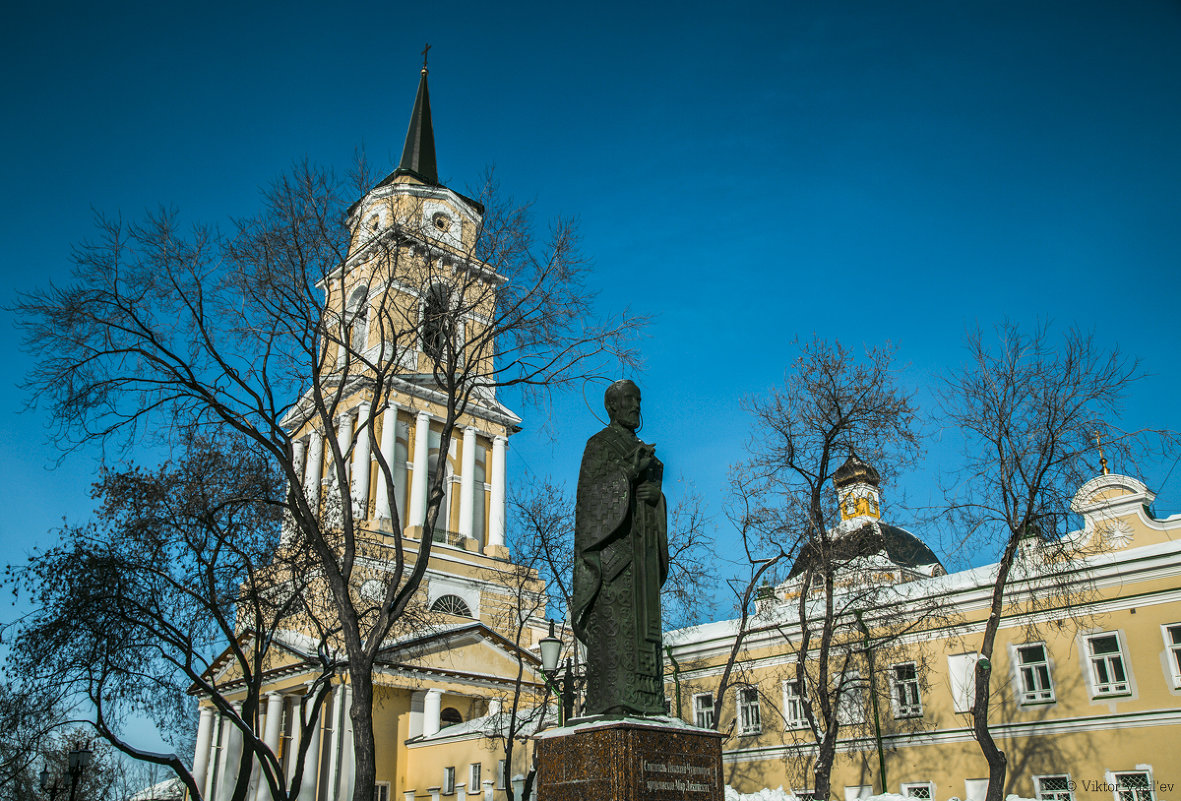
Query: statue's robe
(620, 564)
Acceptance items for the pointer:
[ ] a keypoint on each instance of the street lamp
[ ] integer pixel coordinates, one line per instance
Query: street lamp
(551, 647)
(79, 760)
(46, 787)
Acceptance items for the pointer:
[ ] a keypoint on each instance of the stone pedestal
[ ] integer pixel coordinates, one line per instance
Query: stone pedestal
(629, 759)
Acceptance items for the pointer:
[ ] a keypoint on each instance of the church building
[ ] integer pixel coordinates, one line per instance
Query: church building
(446, 679)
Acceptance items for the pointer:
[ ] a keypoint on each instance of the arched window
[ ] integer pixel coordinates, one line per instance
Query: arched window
(450, 716)
(451, 605)
(357, 315)
(437, 324)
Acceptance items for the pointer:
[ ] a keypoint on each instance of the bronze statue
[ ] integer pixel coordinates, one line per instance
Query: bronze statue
(620, 563)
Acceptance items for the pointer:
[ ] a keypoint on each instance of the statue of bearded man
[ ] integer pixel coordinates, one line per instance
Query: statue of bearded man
(620, 564)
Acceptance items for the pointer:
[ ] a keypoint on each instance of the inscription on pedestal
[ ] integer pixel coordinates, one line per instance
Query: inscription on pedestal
(677, 774)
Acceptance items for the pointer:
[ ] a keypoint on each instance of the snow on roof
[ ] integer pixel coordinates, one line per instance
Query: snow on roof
(167, 790)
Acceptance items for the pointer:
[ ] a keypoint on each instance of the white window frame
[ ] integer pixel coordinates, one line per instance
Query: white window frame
(703, 715)
(501, 774)
(449, 780)
(1111, 688)
(851, 700)
(750, 713)
(928, 786)
(474, 775)
(1146, 793)
(1030, 692)
(793, 705)
(912, 708)
(1053, 794)
(381, 791)
(1173, 651)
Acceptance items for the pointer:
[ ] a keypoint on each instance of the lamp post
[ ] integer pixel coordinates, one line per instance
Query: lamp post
(79, 760)
(46, 787)
(564, 687)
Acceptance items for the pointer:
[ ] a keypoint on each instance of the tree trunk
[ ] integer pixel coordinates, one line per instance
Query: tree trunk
(364, 759)
(996, 759)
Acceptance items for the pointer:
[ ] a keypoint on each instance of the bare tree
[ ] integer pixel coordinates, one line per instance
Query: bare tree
(29, 716)
(832, 405)
(310, 310)
(176, 588)
(1030, 409)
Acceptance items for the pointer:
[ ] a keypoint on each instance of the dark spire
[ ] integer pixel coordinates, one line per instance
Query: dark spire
(418, 155)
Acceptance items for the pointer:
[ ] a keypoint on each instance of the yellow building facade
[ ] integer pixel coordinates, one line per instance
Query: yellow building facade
(1086, 674)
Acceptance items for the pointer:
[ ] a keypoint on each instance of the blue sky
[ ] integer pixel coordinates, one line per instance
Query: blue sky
(748, 172)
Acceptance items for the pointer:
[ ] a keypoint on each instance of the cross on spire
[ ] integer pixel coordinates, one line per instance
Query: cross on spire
(1102, 458)
(424, 52)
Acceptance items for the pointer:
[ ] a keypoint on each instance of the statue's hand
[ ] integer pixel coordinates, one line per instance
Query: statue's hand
(648, 492)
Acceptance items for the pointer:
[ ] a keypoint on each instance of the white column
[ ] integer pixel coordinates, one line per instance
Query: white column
(344, 438)
(488, 784)
(271, 731)
(430, 712)
(467, 484)
(299, 451)
(232, 755)
(311, 765)
(408, 795)
(217, 748)
(417, 705)
(204, 738)
(346, 748)
(389, 446)
(334, 743)
(361, 464)
(293, 743)
(313, 470)
(419, 480)
(497, 512)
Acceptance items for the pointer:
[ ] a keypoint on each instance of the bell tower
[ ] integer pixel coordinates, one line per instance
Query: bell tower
(404, 311)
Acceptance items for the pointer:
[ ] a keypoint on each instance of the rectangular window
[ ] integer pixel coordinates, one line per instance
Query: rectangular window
(1173, 643)
(1107, 665)
(750, 720)
(703, 710)
(1135, 786)
(381, 791)
(1053, 788)
(1034, 669)
(907, 702)
(501, 775)
(961, 669)
(449, 780)
(851, 701)
(473, 777)
(793, 705)
(921, 790)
